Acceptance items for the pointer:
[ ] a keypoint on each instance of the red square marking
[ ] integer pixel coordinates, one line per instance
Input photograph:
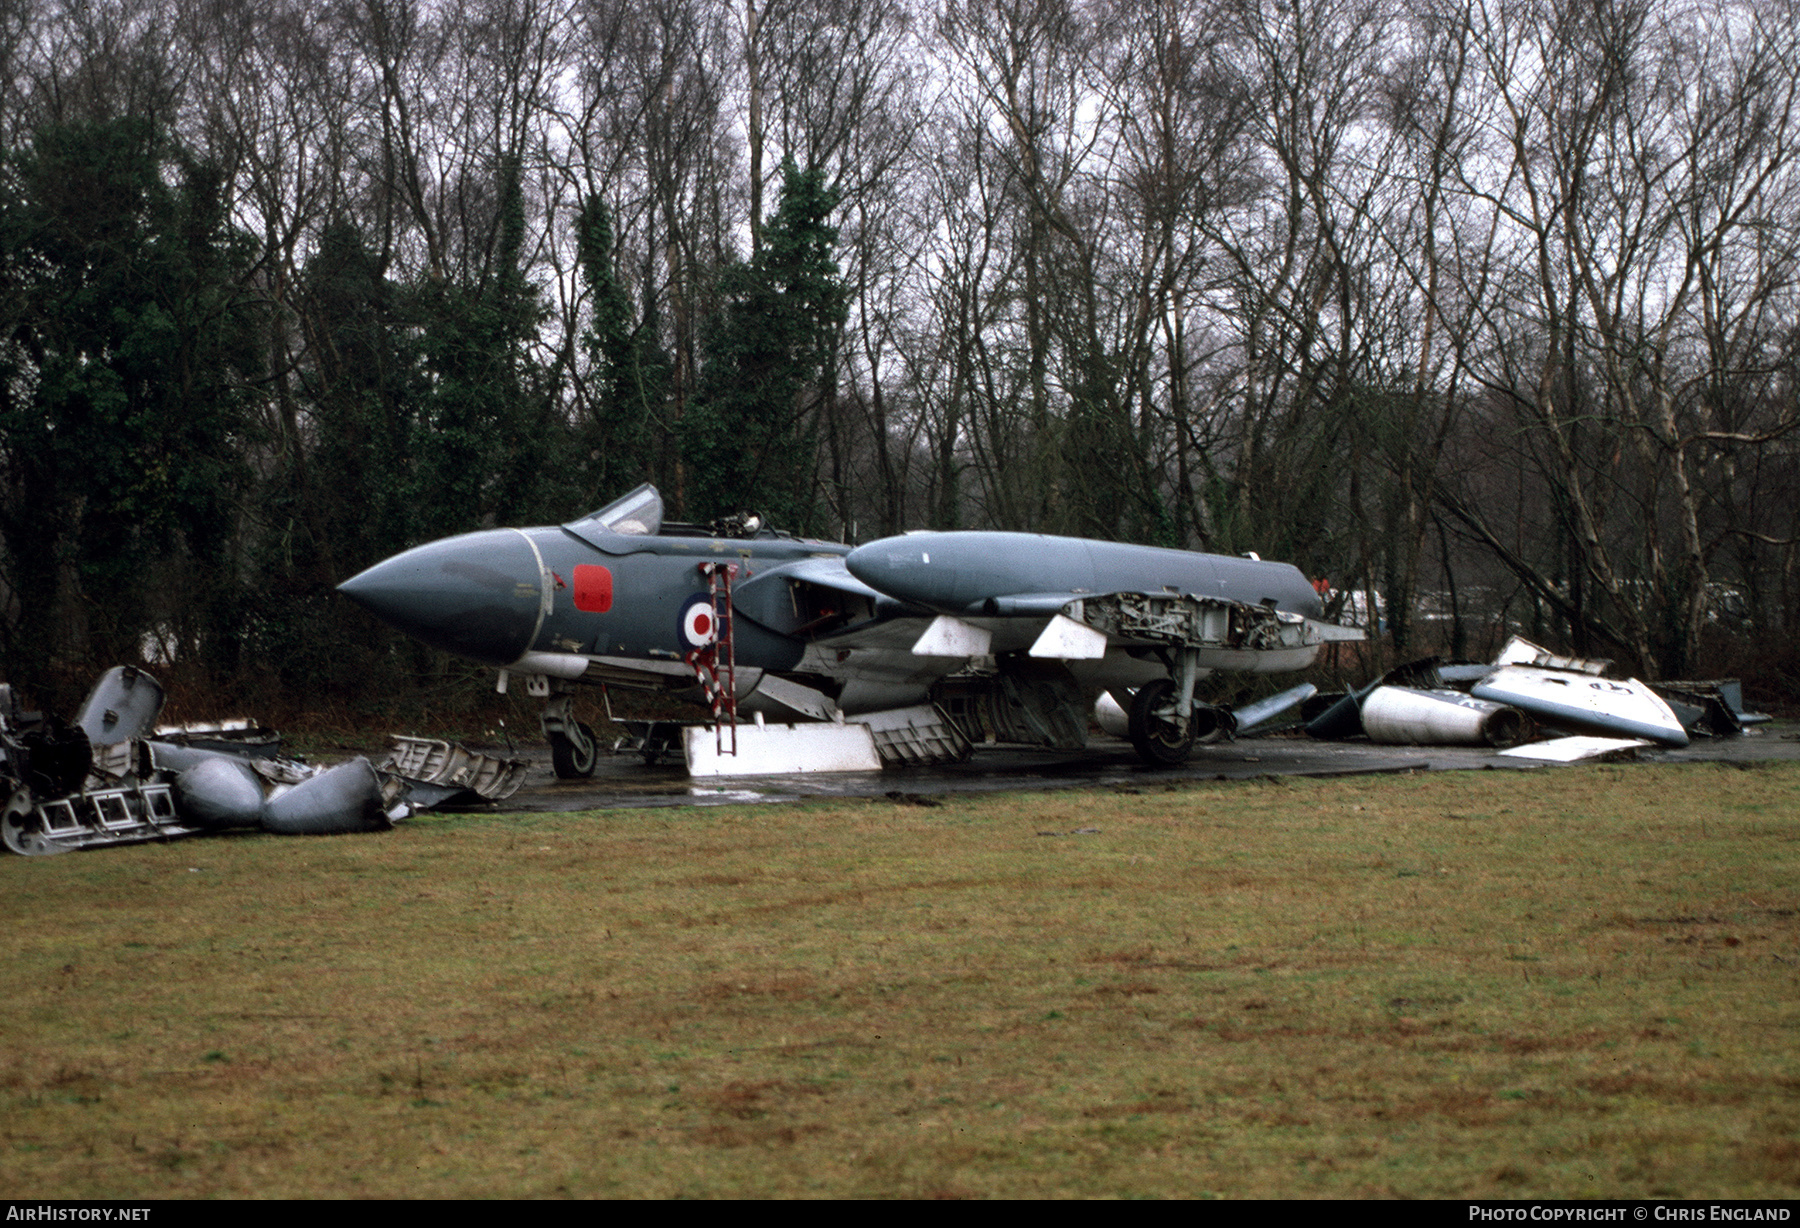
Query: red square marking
(593, 588)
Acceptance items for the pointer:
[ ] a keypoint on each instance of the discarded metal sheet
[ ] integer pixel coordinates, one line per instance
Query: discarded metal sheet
(783, 750)
(436, 762)
(1701, 715)
(1709, 707)
(1575, 749)
(1521, 651)
(239, 736)
(124, 704)
(916, 735)
(1731, 690)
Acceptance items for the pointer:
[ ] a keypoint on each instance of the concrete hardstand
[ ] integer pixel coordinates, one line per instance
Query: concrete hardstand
(623, 780)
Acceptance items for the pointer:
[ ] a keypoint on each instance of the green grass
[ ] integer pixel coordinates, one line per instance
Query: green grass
(1566, 983)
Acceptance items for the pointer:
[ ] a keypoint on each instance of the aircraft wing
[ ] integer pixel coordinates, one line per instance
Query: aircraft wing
(1071, 625)
(823, 570)
(809, 597)
(1085, 626)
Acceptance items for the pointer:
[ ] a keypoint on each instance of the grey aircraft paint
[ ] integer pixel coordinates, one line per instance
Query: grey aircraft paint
(972, 572)
(619, 596)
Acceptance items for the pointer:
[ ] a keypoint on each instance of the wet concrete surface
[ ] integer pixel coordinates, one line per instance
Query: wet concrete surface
(622, 781)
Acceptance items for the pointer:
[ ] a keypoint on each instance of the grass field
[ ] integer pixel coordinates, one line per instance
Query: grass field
(1573, 983)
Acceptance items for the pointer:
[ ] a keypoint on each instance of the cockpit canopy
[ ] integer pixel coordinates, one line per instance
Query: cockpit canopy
(638, 514)
(628, 525)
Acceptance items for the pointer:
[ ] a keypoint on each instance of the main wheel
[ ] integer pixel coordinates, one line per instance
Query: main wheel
(1156, 739)
(574, 757)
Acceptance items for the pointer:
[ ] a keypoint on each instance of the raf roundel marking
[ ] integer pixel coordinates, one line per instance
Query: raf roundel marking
(593, 588)
(698, 626)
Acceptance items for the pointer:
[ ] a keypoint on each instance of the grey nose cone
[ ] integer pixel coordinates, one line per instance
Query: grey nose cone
(479, 595)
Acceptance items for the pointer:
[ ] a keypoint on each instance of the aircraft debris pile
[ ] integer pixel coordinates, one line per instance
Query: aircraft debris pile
(112, 777)
(1250, 721)
(1714, 708)
(1525, 690)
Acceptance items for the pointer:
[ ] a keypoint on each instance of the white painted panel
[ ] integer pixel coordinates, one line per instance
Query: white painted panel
(781, 750)
(1067, 640)
(1568, 750)
(952, 637)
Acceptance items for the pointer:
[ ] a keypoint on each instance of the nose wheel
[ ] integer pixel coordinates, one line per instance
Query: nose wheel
(573, 748)
(572, 754)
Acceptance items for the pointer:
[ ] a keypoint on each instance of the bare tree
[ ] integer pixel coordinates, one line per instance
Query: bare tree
(1647, 190)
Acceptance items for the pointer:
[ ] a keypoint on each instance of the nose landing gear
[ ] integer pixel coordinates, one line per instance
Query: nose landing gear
(573, 748)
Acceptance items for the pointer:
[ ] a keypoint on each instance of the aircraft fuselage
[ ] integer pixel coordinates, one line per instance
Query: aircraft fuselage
(820, 630)
(496, 595)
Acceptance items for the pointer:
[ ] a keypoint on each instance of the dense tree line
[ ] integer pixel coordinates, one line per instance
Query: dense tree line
(1483, 309)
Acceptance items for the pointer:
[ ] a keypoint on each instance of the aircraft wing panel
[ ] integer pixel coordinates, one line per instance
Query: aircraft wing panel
(888, 634)
(807, 596)
(827, 571)
(924, 636)
(1075, 626)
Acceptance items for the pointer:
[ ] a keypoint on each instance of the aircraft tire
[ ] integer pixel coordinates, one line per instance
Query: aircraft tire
(19, 828)
(1154, 739)
(571, 758)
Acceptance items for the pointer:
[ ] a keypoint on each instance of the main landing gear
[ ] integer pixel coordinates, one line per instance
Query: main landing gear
(1158, 737)
(1165, 722)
